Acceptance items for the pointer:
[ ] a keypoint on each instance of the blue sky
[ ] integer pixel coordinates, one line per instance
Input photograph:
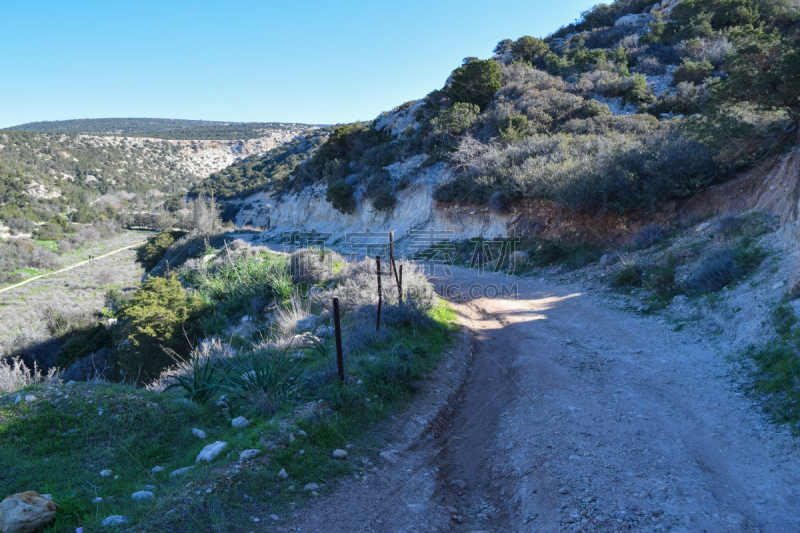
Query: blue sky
(307, 61)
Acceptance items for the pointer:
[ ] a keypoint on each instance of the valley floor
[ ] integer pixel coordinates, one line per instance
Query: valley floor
(559, 413)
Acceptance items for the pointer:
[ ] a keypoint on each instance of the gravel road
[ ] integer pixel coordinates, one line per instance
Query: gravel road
(557, 413)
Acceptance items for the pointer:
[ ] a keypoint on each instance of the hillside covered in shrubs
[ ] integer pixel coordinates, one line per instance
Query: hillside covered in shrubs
(632, 106)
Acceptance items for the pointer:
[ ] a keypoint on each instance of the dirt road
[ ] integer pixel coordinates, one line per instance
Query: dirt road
(558, 413)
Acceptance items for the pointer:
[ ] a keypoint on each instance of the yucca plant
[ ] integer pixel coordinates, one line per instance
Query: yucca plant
(201, 378)
(263, 381)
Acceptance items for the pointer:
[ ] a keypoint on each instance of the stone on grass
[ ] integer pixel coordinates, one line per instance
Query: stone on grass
(105, 473)
(210, 452)
(282, 474)
(199, 433)
(180, 471)
(157, 469)
(18, 399)
(97, 500)
(306, 323)
(30, 398)
(311, 486)
(274, 517)
(115, 520)
(142, 495)
(25, 512)
(249, 454)
(240, 422)
(149, 487)
(339, 454)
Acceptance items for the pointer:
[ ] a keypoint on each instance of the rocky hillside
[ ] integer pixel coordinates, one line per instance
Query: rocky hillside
(68, 169)
(550, 135)
(163, 128)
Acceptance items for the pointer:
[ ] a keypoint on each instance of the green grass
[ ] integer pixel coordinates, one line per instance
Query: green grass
(48, 245)
(59, 444)
(777, 369)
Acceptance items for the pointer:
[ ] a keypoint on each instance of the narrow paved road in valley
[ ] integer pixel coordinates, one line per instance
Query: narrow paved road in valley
(71, 266)
(571, 416)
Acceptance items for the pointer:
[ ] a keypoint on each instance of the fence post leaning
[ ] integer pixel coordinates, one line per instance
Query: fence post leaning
(394, 267)
(380, 292)
(337, 326)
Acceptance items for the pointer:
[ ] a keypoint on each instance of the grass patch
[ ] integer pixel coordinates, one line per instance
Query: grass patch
(777, 369)
(60, 442)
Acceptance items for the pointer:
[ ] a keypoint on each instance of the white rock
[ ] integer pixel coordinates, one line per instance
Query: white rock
(274, 517)
(325, 332)
(246, 318)
(702, 227)
(302, 433)
(18, 399)
(105, 473)
(180, 471)
(519, 257)
(339, 454)
(390, 455)
(69, 384)
(419, 509)
(142, 495)
(282, 474)
(25, 512)
(30, 398)
(97, 500)
(249, 454)
(311, 486)
(210, 452)
(308, 322)
(157, 469)
(116, 519)
(199, 433)
(240, 422)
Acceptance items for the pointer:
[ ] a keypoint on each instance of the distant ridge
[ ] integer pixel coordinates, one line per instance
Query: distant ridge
(164, 128)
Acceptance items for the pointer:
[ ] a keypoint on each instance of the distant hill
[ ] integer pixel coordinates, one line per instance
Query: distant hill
(163, 128)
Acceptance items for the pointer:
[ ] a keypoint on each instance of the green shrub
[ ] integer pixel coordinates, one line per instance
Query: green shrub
(157, 318)
(49, 232)
(381, 191)
(529, 49)
(648, 236)
(340, 195)
(715, 272)
(475, 83)
(514, 127)
(153, 251)
(692, 72)
(720, 14)
(84, 344)
(628, 274)
(661, 279)
(588, 171)
(456, 120)
(783, 319)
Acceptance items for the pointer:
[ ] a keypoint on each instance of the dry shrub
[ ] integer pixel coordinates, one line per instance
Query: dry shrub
(14, 375)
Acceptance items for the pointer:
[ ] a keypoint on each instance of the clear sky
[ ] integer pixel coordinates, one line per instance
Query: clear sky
(319, 62)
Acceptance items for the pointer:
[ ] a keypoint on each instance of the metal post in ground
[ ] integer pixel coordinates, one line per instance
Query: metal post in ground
(337, 326)
(394, 267)
(380, 292)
